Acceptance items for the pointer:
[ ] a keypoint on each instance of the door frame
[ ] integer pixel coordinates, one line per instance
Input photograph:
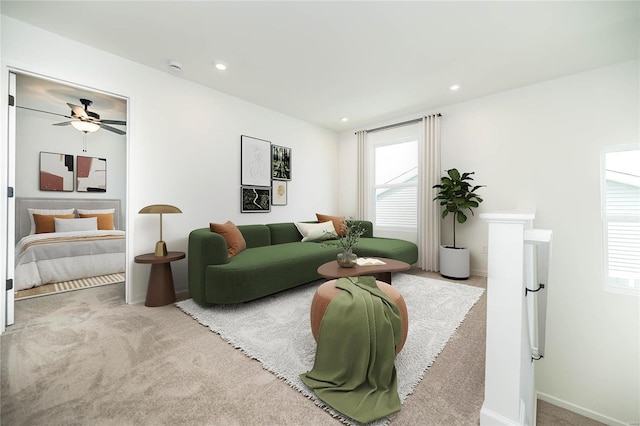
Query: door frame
(7, 228)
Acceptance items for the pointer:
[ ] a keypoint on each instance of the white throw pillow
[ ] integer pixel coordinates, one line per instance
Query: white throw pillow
(316, 231)
(71, 225)
(47, 212)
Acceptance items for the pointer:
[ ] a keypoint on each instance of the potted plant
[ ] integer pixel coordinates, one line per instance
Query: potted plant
(457, 195)
(350, 234)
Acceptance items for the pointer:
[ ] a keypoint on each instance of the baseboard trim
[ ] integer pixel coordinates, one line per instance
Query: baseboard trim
(491, 418)
(580, 410)
(479, 272)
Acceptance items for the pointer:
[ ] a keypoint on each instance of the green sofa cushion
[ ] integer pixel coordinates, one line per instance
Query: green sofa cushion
(265, 270)
(385, 247)
(256, 235)
(284, 233)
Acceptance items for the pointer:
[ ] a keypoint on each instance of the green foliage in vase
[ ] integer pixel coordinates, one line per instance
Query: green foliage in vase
(456, 195)
(352, 231)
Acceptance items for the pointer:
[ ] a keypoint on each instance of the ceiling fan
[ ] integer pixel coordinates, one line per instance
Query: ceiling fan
(84, 120)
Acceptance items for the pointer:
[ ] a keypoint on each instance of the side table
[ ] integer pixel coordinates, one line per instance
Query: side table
(160, 291)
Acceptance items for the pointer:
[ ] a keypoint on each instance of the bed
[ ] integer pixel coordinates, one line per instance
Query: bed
(60, 239)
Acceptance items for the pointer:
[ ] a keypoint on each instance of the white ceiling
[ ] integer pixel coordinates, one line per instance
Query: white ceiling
(49, 96)
(369, 61)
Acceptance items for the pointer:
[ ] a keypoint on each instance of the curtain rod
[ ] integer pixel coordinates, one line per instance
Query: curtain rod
(404, 123)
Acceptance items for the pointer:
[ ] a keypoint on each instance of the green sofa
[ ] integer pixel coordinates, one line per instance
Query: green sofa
(275, 260)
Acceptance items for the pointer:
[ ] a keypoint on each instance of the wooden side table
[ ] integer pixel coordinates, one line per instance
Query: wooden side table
(160, 291)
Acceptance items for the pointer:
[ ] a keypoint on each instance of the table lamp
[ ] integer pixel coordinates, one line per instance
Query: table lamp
(161, 247)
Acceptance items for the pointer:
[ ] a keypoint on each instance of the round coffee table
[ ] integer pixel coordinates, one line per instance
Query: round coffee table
(331, 270)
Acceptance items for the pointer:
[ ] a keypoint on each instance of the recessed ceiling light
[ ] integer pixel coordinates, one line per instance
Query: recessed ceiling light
(175, 65)
(344, 119)
(220, 66)
(454, 87)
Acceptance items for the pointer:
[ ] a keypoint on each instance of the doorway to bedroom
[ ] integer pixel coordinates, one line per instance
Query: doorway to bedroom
(70, 148)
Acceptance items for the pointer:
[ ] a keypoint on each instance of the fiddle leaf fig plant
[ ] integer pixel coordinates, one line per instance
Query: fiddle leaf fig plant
(457, 195)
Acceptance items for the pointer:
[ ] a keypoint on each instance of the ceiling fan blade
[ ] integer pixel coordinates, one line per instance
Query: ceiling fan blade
(78, 111)
(46, 112)
(112, 129)
(66, 123)
(118, 122)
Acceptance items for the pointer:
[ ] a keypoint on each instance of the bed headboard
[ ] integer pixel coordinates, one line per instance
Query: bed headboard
(23, 224)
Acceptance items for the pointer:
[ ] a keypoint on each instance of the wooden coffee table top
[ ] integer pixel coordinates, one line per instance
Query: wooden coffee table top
(331, 270)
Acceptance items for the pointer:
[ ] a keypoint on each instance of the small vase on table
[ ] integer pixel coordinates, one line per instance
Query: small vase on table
(347, 259)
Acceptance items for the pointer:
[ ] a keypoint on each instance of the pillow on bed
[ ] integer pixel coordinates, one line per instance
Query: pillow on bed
(44, 223)
(95, 211)
(105, 220)
(316, 231)
(45, 212)
(71, 225)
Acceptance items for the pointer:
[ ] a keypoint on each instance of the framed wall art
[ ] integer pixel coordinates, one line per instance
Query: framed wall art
(279, 193)
(255, 156)
(56, 172)
(91, 174)
(280, 162)
(255, 199)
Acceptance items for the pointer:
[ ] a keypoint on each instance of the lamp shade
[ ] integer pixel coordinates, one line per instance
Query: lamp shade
(160, 208)
(85, 126)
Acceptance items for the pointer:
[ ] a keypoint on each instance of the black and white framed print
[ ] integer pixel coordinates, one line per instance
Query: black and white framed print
(255, 155)
(279, 192)
(280, 162)
(256, 199)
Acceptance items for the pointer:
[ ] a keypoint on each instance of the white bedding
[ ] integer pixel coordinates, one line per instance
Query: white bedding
(48, 258)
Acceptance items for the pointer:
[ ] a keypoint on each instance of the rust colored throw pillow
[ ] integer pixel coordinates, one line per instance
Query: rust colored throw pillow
(45, 222)
(105, 220)
(339, 222)
(232, 235)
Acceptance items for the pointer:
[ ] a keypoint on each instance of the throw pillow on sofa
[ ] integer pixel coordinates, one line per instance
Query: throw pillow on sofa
(316, 231)
(339, 222)
(232, 235)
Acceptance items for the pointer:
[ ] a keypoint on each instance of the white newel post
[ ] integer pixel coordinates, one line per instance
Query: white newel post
(509, 380)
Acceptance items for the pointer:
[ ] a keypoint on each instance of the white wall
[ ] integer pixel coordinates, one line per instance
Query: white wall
(538, 148)
(184, 144)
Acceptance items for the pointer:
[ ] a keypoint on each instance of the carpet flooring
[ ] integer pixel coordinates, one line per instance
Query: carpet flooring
(87, 358)
(275, 330)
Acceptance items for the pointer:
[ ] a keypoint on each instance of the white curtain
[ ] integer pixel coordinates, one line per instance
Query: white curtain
(363, 176)
(429, 212)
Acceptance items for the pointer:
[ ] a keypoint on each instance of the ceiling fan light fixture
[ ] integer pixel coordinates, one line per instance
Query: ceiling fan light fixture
(85, 126)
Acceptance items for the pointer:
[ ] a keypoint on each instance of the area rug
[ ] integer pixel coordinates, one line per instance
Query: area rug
(275, 330)
(72, 285)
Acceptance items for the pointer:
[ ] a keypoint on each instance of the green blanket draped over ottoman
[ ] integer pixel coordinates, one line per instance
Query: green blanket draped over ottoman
(354, 370)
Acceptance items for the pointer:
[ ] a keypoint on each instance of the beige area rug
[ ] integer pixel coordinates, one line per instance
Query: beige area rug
(275, 330)
(72, 285)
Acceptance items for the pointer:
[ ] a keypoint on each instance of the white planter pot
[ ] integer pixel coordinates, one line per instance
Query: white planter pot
(454, 262)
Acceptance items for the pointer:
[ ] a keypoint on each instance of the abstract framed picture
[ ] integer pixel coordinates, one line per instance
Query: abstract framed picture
(56, 172)
(91, 174)
(279, 192)
(255, 156)
(255, 199)
(280, 162)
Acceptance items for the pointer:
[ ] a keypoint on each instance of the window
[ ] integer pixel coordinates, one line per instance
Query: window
(621, 218)
(395, 179)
